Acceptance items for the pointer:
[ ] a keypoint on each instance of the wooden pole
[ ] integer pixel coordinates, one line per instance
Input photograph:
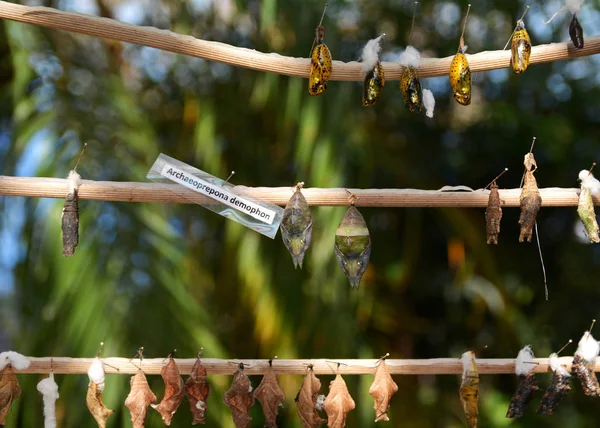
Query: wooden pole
(42, 187)
(433, 366)
(269, 62)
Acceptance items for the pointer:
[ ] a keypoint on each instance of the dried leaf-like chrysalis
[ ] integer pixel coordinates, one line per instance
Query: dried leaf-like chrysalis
(527, 386)
(584, 364)
(139, 399)
(382, 389)
(174, 392)
(320, 65)
(338, 403)
(576, 32)
(353, 246)
(296, 227)
(493, 215)
(520, 48)
(96, 406)
(460, 76)
(270, 395)
(374, 73)
(557, 390)
(10, 390)
(306, 401)
(469, 388)
(197, 390)
(239, 398)
(585, 209)
(410, 86)
(531, 200)
(70, 216)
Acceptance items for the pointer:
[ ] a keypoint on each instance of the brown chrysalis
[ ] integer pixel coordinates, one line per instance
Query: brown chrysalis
(527, 386)
(558, 389)
(531, 200)
(584, 363)
(70, 216)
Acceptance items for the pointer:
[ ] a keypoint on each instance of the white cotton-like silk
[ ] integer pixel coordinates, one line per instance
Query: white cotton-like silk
(467, 358)
(96, 373)
(74, 181)
(524, 358)
(574, 6)
(588, 347)
(320, 404)
(49, 390)
(588, 181)
(410, 57)
(428, 102)
(16, 360)
(556, 367)
(370, 53)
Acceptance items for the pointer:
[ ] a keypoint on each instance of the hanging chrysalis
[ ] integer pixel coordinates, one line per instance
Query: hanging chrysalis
(308, 400)
(70, 212)
(320, 62)
(589, 186)
(10, 389)
(559, 387)
(410, 85)
(353, 245)
(527, 386)
(576, 32)
(296, 226)
(174, 391)
(197, 390)
(338, 403)
(493, 212)
(584, 364)
(460, 72)
(469, 388)
(239, 398)
(374, 74)
(49, 390)
(270, 395)
(520, 47)
(531, 200)
(382, 390)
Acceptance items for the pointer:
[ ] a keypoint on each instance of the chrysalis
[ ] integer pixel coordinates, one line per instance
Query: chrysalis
(493, 214)
(557, 390)
(527, 386)
(469, 388)
(520, 48)
(531, 200)
(584, 364)
(374, 73)
(460, 72)
(353, 245)
(585, 209)
(296, 226)
(320, 63)
(10, 389)
(70, 216)
(410, 86)
(576, 32)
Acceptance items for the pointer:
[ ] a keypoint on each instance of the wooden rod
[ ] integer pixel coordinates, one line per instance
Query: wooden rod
(433, 366)
(269, 62)
(43, 187)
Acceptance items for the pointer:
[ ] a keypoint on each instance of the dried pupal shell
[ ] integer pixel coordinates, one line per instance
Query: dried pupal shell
(576, 32)
(527, 386)
(469, 389)
(320, 65)
(239, 398)
(96, 405)
(174, 392)
(460, 76)
(197, 390)
(584, 363)
(353, 246)
(70, 216)
(410, 86)
(382, 390)
(10, 390)
(139, 399)
(306, 400)
(270, 395)
(530, 201)
(296, 227)
(373, 85)
(558, 389)
(520, 48)
(338, 403)
(493, 215)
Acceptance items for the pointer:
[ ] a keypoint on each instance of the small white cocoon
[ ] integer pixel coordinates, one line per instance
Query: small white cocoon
(588, 347)
(574, 6)
(588, 181)
(524, 365)
(49, 390)
(428, 102)
(410, 57)
(74, 180)
(467, 359)
(556, 367)
(370, 53)
(18, 361)
(96, 373)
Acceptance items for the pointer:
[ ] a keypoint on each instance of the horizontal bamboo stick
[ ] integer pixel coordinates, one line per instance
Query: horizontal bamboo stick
(43, 187)
(270, 62)
(433, 366)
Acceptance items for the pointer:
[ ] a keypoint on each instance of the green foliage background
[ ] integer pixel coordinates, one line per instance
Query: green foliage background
(167, 276)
